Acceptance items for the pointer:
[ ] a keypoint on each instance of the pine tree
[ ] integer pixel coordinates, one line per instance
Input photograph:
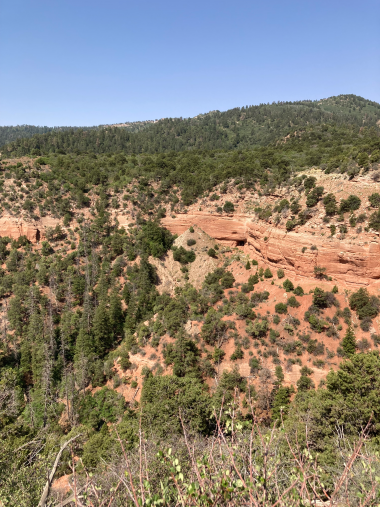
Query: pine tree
(116, 317)
(101, 328)
(349, 342)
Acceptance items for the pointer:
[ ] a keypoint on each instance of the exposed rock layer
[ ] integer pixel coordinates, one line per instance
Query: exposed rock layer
(357, 264)
(14, 228)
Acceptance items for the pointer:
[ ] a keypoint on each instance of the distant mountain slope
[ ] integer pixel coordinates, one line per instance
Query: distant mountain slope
(244, 127)
(9, 134)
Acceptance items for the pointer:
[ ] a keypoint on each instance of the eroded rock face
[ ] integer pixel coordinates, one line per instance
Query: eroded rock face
(14, 228)
(357, 264)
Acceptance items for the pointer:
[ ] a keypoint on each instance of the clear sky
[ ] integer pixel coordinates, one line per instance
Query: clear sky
(90, 62)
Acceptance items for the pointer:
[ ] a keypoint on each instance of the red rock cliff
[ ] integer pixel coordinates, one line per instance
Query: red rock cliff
(14, 228)
(357, 264)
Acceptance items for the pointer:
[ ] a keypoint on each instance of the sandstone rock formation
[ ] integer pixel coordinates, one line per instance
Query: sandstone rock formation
(14, 228)
(353, 263)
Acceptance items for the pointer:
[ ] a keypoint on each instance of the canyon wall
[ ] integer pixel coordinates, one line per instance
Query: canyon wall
(354, 263)
(14, 228)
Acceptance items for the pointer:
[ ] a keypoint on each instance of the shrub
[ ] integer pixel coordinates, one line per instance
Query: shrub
(352, 203)
(211, 253)
(281, 308)
(183, 256)
(364, 304)
(290, 225)
(191, 229)
(374, 200)
(248, 265)
(366, 324)
(191, 242)
(268, 273)
(374, 221)
(298, 291)
(319, 271)
(254, 364)
(280, 273)
(330, 204)
(363, 345)
(309, 183)
(288, 286)
(257, 329)
(259, 297)
(237, 354)
(293, 303)
(314, 196)
(228, 207)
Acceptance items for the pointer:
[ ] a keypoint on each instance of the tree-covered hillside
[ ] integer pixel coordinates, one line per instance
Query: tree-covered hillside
(9, 134)
(238, 128)
(108, 344)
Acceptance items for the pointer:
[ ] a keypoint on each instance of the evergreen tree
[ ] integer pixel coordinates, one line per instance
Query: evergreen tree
(101, 328)
(349, 342)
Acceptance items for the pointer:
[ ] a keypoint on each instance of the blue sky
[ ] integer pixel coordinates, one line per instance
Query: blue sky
(90, 62)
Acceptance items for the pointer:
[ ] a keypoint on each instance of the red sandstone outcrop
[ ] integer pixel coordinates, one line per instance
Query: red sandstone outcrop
(354, 263)
(15, 227)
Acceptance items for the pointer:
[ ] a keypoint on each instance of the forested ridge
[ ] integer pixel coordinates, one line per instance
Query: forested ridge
(10, 134)
(238, 128)
(83, 309)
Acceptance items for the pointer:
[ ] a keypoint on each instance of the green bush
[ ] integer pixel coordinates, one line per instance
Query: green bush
(364, 304)
(183, 256)
(293, 303)
(330, 204)
(374, 200)
(268, 273)
(191, 242)
(290, 225)
(281, 308)
(352, 203)
(211, 253)
(298, 291)
(228, 207)
(280, 273)
(288, 286)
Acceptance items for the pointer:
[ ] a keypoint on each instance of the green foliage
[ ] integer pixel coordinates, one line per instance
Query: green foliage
(298, 291)
(268, 273)
(288, 285)
(374, 200)
(183, 256)
(185, 397)
(228, 207)
(104, 406)
(293, 303)
(211, 252)
(309, 183)
(314, 196)
(349, 342)
(330, 204)
(280, 273)
(183, 355)
(257, 329)
(374, 221)
(214, 329)
(156, 240)
(364, 304)
(281, 308)
(352, 203)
